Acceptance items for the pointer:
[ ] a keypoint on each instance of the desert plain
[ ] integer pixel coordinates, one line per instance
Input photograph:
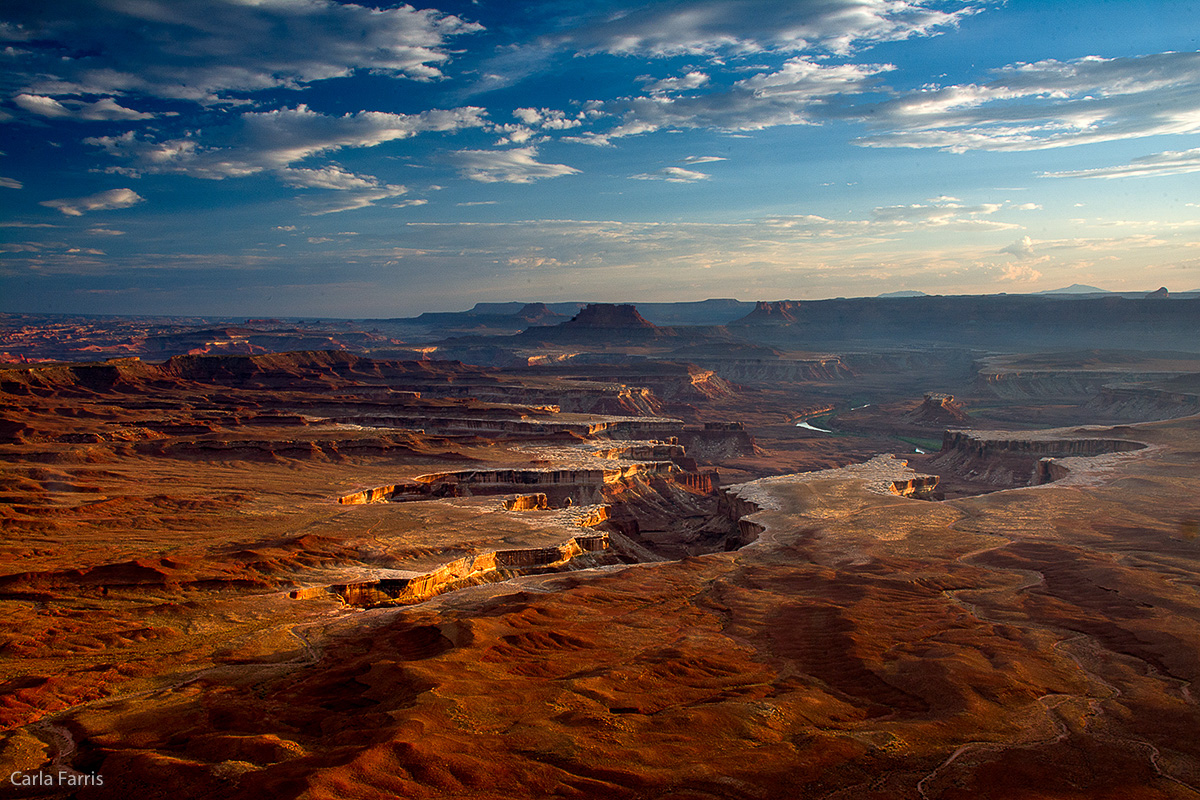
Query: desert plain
(891, 548)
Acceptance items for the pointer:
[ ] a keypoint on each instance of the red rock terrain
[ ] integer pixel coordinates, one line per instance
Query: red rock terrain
(541, 583)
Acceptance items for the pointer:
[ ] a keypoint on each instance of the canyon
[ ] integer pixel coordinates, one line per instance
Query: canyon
(539, 550)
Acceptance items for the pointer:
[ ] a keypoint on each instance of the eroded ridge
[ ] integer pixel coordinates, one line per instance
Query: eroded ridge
(501, 481)
(592, 550)
(1004, 459)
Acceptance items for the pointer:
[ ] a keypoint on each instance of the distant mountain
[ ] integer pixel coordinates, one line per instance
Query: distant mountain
(1076, 288)
(904, 293)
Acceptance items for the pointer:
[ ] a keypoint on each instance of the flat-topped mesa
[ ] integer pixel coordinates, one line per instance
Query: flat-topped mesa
(1005, 459)
(1034, 443)
(609, 315)
(778, 312)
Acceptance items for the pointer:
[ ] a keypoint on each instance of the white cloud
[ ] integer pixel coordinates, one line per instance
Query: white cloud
(1028, 207)
(10, 183)
(353, 200)
(1020, 273)
(748, 26)
(331, 177)
(518, 165)
(1048, 104)
(530, 116)
(273, 140)
(533, 120)
(788, 96)
(103, 201)
(942, 212)
(105, 109)
(105, 232)
(218, 47)
(685, 83)
(514, 134)
(354, 191)
(1021, 248)
(703, 159)
(1167, 163)
(673, 175)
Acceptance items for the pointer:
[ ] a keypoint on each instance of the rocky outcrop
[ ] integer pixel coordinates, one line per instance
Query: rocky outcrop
(1058, 384)
(501, 481)
(1004, 459)
(938, 409)
(921, 487)
(779, 312)
(527, 502)
(644, 451)
(985, 444)
(289, 370)
(736, 508)
(782, 370)
(717, 440)
(467, 571)
(1134, 402)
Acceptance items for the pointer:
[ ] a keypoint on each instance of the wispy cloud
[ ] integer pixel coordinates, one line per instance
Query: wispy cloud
(102, 201)
(517, 165)
(105, 109)
(673, 175)
(710, 27)
(353, 191)
(944, 212)
(787, 96)
(274, 140)
(684, 83)
(112, 47)
(1048, 104)
(1167, 163)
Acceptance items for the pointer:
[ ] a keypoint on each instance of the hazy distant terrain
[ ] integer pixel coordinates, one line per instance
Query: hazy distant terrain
(593, 554)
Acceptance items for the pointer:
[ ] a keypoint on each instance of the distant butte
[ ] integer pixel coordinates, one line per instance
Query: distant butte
(771, 313)
(609, 315)
(938, 409)
(601, 324)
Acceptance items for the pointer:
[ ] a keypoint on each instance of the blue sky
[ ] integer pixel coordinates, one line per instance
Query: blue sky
(318, 158)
